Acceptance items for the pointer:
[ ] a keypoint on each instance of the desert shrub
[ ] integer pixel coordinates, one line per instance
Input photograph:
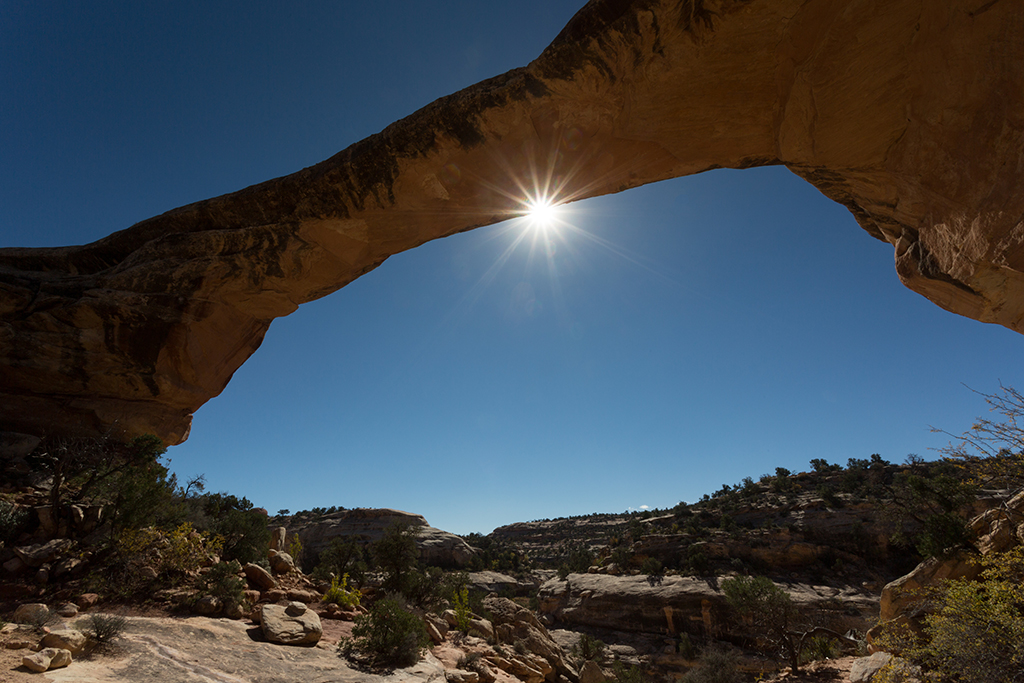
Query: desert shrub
(770, 609)
(819, 647)
(468, 662)
(460, 603)
(685, 646)
(829, 496)
(578, 559)
(178, 551)
(821, 466)
(396, 555)
(586, 649)
(389, 634)
(622, 556)
(627, 674)
(103, 628)
(245, 534)
(716, 665)
(933, 501)
(223, 583)
(295, 547)
(341, 594)
(342, 557)
(651, 565)
(12, 521)
(697, 561)
(976, 633)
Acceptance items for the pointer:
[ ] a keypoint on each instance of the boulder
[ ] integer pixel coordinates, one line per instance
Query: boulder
(42, 553)
(461, 676)
(864, 669)
(87, 600)
(496, 582)
(67, 639)
(277, 538)
(294, 624)
(281, 562)
(68, 610)
(44, 660)
(207, 605)
(590, 672)
(33, 613)
(259, 577)
(516, 624)
(15, 565)
(303, 595)
(481, 628)
(900, 595)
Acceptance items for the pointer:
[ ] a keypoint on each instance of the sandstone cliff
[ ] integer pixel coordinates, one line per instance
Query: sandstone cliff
(437, 547)
(907, 112)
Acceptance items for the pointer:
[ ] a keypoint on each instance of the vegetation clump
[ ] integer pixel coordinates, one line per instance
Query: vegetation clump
(389, 635)
(717, 664)
(340, 594)
(102, 629)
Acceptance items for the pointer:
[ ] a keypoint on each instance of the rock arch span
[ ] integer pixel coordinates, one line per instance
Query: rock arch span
(907, 112)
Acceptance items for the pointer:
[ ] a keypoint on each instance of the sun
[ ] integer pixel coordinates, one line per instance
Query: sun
(542, 213)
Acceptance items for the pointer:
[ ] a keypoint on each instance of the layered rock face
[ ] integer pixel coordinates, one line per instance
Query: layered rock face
(673, 605)
(905, 111)
(437, 547)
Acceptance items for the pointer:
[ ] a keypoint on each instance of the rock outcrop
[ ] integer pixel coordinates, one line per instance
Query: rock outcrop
(676, 604)
(366, 525)
(906, 112)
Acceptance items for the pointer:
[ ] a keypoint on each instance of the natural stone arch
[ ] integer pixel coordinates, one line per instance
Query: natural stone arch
(905, 111)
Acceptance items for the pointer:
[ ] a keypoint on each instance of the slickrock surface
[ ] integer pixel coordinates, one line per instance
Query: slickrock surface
(218, 651)
(907, 112)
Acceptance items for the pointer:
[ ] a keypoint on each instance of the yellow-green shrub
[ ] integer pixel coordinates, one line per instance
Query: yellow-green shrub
(341, 594)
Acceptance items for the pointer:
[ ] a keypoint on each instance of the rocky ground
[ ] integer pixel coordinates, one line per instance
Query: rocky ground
(199, 649)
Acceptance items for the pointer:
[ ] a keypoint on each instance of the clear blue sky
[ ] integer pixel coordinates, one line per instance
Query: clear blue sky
(681, 336)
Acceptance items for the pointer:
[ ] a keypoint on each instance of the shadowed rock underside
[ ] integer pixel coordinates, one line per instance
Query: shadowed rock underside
(907, 112)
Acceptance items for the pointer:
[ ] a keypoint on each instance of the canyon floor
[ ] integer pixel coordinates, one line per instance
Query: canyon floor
(173, 649)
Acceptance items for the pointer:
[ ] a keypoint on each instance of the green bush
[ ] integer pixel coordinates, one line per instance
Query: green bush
(396, 555)
(716, 665)
(651, 565)
(341, 594)
(223, 583)
(460, 602)
(977, 630)
(627, 674)
(342, 557)
(586, 649)
(12, 521)
(103, 628)
(245, 533)
(390, 635)
(817, 648)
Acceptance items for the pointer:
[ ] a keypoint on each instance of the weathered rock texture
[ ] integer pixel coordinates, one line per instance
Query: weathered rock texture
(908, 112)
(676, 604)
(366, 525)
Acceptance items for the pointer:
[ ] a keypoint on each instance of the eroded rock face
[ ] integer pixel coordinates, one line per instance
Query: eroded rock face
(906, 112)
(366, 525)
(673, 605)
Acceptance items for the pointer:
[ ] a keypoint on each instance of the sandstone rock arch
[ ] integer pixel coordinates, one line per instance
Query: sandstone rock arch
(908, 112)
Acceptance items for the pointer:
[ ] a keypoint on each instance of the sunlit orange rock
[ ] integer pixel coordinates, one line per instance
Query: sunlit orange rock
(910, 113)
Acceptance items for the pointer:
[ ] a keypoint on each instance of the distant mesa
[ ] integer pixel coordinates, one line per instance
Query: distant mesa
(907, 113)
(437, 548)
